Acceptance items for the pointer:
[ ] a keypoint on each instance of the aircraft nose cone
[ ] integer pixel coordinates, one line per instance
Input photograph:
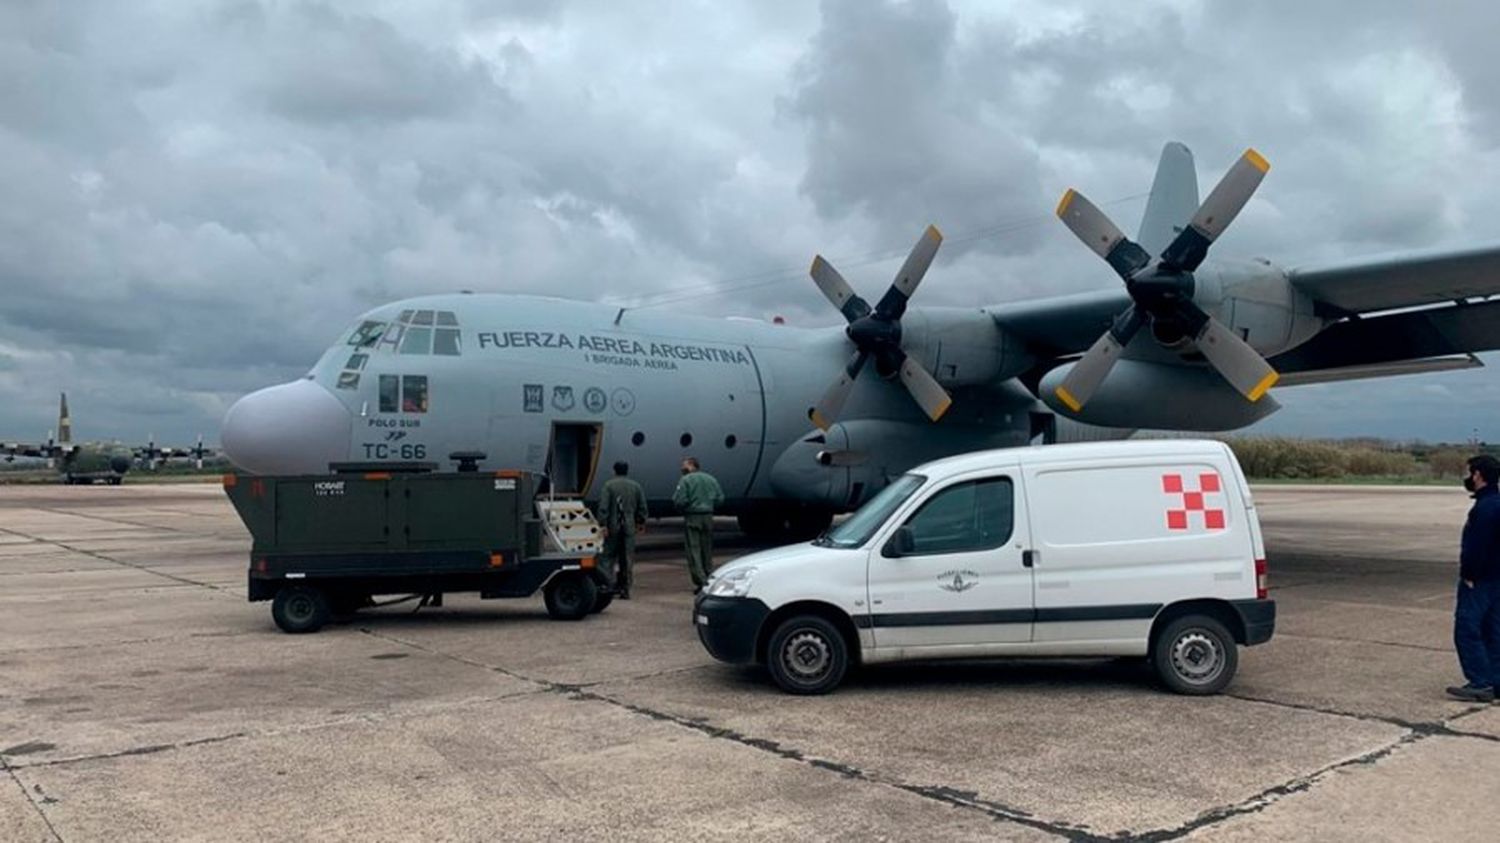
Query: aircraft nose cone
(294, 428)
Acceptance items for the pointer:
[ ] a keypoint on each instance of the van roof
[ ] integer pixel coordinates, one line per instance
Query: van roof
(1072, 452)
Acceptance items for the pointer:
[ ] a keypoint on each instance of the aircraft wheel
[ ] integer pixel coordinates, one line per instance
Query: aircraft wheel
(299, 609)
(570, 596)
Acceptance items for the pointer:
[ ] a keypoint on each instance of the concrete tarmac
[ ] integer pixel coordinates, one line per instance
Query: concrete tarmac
(142, 698)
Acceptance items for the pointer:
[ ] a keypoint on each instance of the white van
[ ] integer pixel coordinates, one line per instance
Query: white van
(1136, 549)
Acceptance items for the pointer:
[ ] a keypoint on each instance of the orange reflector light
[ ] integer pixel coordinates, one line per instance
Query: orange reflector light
(1262, 580)
(586, 562)
(378, 475)
(230, 480)
(497, 560)
(508, 472)
(260, 565)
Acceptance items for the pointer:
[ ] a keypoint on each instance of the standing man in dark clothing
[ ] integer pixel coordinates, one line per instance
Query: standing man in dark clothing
(622, 507)
(1476, 619)
(698, 495)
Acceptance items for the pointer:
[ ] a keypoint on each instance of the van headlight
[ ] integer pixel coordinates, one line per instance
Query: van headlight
(733, 584)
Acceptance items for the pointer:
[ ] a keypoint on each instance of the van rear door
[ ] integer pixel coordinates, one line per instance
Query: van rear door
(1118, 540)
(962, 578)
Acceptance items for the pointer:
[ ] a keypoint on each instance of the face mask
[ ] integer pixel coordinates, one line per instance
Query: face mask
(1469, 483)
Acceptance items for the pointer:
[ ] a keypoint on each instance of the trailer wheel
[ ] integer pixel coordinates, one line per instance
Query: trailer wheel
(300, 608)
(602, 601)
(570, 596)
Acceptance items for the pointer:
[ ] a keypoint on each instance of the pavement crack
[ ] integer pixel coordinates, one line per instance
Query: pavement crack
(40, 812)
(937, 793)
(149, 749)
(1271, 795)
(1422, 727)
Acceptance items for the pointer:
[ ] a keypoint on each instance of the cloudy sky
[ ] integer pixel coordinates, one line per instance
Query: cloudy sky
(197, 197)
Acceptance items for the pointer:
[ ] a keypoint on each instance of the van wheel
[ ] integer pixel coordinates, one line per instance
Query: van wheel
(1195, 655)
(807, 655)
(300, 608)
(570, 597)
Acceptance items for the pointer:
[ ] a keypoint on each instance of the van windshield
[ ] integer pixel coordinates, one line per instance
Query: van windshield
(867, 519)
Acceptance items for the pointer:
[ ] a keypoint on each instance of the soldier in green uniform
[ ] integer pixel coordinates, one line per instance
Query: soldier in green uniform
(698, 495)
(622, 509)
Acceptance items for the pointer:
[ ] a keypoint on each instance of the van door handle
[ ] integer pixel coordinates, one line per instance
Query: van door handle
(1028, 558)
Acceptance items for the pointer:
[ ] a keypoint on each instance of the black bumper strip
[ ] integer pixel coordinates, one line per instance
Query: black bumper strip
(1131, 611)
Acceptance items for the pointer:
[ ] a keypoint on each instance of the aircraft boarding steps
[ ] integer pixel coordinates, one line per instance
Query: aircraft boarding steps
(570, 525)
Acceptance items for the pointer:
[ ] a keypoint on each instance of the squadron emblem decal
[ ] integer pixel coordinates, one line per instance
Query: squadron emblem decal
(594, 400)
(562, 398)
(532, 397)
(958, 581)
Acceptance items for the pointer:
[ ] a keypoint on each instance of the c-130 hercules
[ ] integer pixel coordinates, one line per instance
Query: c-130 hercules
(563, 386)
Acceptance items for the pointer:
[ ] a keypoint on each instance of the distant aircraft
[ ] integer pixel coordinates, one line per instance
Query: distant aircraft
(564, 387)
(97, 462)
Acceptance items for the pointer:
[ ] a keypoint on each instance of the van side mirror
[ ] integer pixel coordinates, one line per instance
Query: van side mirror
(901, 544)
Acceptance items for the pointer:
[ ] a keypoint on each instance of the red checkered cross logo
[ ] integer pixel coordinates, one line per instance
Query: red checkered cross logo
(1208, 484)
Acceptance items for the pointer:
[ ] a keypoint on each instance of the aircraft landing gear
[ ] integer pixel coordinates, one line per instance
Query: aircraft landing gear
(784, 524)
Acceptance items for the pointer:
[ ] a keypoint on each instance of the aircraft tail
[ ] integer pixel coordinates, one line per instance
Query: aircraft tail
(1173, 201)
(64, 423)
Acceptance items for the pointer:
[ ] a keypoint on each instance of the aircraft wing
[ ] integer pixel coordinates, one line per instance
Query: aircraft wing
(1398, 281)
(1062, 325)
(1432, 339)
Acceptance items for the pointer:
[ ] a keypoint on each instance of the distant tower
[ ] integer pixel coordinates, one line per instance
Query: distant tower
(64, 423)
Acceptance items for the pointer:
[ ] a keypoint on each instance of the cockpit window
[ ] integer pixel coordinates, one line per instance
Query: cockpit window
(390, 393)
(348, 380)
(413, 332)
(367, 334)
(357, 361)
(445, 341)
(417, 341)
(414, 394)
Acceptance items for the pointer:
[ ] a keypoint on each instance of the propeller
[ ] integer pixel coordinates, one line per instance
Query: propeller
(876, 332)
(1162, 294)
(198, 453)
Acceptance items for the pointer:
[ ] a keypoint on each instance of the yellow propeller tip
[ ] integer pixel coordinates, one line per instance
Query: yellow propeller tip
(1067, 199)
(1265, 384)
(819, 420)
(1067, 398)
(932, 231)
(1257, 160)
(942, 410)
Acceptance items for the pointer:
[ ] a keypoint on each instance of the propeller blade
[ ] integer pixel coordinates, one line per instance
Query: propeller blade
(1240, 364)
(928, 393)
(837, 290)
(827, 410)
(1095, 229)
(893, 303)
(1090, 370)
(1226, 201)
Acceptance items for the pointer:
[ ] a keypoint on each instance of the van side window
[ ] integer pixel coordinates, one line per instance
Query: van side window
(977, 515)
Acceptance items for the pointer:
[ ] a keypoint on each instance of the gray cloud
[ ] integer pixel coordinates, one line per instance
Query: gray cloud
(195, 198)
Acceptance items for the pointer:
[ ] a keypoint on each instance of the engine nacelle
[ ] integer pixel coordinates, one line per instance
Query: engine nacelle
(963, 346)
(1159, 396)
(842, 467)
(1257, 301)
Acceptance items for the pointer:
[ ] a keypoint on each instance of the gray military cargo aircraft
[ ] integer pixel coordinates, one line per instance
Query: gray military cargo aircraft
(563, 387)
